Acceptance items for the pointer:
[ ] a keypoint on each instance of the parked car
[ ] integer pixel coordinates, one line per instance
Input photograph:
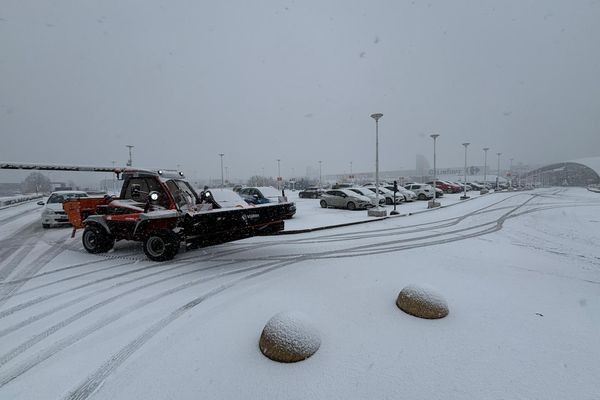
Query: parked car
(345, 198)
(387, 194)
(264, 195)
(310, 193)
(475, 186)
(366, 192)
(444, 186)
(422, 190)
(260, 194)
(53, 213)
(455, 187)
(408, 195)
(229, 198)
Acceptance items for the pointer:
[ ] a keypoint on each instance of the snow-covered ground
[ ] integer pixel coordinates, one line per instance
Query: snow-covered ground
(520, 273)
(310, 215)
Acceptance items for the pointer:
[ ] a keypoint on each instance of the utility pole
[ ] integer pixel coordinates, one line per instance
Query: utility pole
(130, 162)
(222, 177)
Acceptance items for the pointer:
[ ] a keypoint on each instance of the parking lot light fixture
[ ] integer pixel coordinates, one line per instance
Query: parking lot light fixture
(320, 175)
(222, 177)
(498, 174)
(377, 211)
(484, 190)
(464, 196)
(433, 203)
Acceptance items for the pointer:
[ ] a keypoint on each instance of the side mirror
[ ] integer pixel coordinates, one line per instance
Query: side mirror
(40, 203)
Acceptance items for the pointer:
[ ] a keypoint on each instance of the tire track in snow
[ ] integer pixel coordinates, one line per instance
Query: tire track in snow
(76, 337)
(94, 381)
(89, 295)
(6, 292)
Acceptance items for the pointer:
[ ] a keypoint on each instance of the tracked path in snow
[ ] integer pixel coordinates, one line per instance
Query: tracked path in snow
(52, 310)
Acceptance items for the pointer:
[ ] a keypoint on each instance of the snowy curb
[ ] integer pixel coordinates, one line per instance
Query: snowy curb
(20, 203)
(367, 221)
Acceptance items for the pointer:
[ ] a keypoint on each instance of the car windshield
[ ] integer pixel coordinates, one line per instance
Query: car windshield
(62, 197)
(182, 193)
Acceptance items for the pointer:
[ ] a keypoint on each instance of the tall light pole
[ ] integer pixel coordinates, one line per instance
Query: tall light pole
(320, 163)
(351, 177)
(485, 188)
(113, 180)
(376, 211)
(278, 174)
(130, 161)
(464, 196)
(511, 175)
(485, 150)
(222, 178)
(433, 203)
(498, 174)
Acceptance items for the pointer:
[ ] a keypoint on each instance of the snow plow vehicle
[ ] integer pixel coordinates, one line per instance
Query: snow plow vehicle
(163, 211)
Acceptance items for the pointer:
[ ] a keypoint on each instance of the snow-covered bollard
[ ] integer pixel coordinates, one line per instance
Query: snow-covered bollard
(289, 337)
(422, 302)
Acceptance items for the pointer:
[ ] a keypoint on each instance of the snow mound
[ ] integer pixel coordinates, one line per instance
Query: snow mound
(422, 301)
(289, 337)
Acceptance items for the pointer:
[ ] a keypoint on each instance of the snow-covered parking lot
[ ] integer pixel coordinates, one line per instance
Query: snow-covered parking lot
(520, 273)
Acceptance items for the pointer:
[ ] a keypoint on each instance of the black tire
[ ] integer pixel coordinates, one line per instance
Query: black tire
(323, 204)
(422, 196)
(45, 226)
(351, 206)
(388, 201)
(161, 246)
(96, 240)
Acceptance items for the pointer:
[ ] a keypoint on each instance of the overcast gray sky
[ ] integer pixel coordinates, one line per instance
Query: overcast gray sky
(297, 80)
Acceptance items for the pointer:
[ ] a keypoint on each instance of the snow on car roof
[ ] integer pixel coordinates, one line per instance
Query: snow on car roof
(268, 191)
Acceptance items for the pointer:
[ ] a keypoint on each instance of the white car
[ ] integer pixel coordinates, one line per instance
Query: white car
(422, 190)
(388, 195)
(53, 213)
(408, 195)
(366, 192)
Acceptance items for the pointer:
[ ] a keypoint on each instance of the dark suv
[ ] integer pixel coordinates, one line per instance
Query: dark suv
(311, 193)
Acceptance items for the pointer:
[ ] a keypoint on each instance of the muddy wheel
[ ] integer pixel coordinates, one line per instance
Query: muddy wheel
(351, 206)
(96, 240)
(161, 246)
(422, 196)
(388, 201)
(45, 226)
(323, 204)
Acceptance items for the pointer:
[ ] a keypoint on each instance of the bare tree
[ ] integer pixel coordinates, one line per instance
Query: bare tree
(36, 182)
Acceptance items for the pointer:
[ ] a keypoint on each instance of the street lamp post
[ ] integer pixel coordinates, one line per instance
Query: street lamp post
(278, 174)
(320, 164)
(510, 171)
(351, 176)
(433, 203)
(377, 211)
(498, 174)
(484, 190)
(222, 177)
(464, 196)
(130, 161)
